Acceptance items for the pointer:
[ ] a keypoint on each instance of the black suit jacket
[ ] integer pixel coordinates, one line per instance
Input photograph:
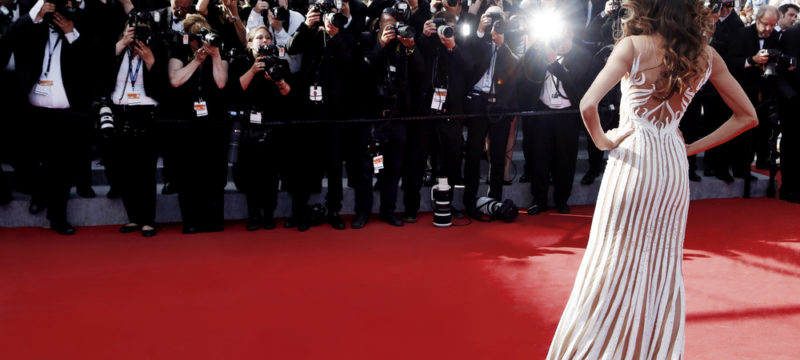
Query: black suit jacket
(407, 76)
(790, 45)
(29, 56)
(723, 32)
(505, 70)
(572, 74)
(744, 43)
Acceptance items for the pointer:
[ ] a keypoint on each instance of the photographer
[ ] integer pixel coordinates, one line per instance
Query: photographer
(330, 73)
(419, 12)
(553, 73)
(446, 63)
(395, 66)
(223, 15)
(53, 75)
(140, 76)
(198, 74)
(494, 79)
(281, 23)
(10, 98)
(790, 125)
(264, 89)
(748, 57)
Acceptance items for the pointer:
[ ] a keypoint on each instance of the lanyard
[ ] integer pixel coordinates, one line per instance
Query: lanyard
(133, 75)
(50, 52)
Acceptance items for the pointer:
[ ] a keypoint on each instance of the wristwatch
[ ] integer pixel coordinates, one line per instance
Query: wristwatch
(235, 19)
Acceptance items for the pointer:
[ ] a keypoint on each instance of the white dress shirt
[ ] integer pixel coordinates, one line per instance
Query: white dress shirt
(49, 91)
(551, 96)
(133, 93)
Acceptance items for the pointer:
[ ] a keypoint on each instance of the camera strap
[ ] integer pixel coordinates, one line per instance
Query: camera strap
(133, 75)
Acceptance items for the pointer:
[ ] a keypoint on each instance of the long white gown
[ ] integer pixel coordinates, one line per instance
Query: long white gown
(628, 297)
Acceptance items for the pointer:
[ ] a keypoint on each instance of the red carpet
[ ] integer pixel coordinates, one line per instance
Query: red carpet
(483, 291)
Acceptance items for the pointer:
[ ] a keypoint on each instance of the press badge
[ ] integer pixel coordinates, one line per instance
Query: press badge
(134, 97)
(281, 51)
(392, 68)
(43, 87)
(255, 117)
(439, 97)
(315, 93)
(377, 163)
(200, 108)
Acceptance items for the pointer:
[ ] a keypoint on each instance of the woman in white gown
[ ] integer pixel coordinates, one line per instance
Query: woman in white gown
(628, 297)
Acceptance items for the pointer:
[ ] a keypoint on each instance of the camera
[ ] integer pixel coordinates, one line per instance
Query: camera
(443, 29)
(142, 24)
(211, 37)
(274, 66)
(69, 12)
(277, 11)
(237, 133)
(401, 12)
(494, 209)
(716, 5)
(498, 23)
(105, 119)
(326, 9)
(777, 61)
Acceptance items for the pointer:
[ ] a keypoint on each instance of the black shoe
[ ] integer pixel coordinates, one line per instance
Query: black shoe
(562, 208)
(36, 206)
(410, 217)
(86, 192)
(474, 213)
(169, 189)
(290, 223)
(149, 233)
(536, 209)
(525, 178)
(113, 193)
(189, 230)
(588, 179)
(62, 227)
(130, 228)
(724, 176)
(336, 221)
(268, 223)
(303, 225)
(694, 177)
(391, 219)
(253, 224)
(359, 221)
(456, 214)
(507, 183)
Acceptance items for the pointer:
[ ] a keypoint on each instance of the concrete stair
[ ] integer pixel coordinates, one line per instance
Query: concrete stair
(103, 211)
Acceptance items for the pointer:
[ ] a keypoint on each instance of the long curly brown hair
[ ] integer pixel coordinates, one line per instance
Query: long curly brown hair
(685, 25)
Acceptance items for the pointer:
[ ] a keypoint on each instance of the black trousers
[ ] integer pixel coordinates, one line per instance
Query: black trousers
(61, 134)
(132, 158)
(201, 173)
(790, 149)
(477, 130)
(392, 137)
(554, 152)
(303, 164)
(256, 174)
(420, 136)
(715, 113)
(691, 127)
(347, 144)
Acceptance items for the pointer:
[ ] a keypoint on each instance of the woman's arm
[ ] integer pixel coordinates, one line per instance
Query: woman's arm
(744, 115)
(247, 77)
(220, 69)
(179, 74)
(618, 64)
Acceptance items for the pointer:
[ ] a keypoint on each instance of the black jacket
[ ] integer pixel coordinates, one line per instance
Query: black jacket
(744, 43)
(393, 71)
(506, 71)
(29, 55)
(329, 62)
(572, 73)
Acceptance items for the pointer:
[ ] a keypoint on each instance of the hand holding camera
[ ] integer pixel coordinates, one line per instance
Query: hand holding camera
(145, 53)
(259, 65)
(486, 21)
(126, 40)
(429, 28)
(312, 17)
(260, 6)
(330, 27)
(611, 7)
(387, 35)
(761, 57)
(65, 25)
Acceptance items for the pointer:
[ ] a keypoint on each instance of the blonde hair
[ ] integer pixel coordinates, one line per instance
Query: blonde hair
(194, 23)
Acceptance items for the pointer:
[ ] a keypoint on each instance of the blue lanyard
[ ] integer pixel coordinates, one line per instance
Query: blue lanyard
(133, 75)
(50, 54)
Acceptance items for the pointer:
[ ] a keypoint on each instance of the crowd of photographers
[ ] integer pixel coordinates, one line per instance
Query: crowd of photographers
(273, 88)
